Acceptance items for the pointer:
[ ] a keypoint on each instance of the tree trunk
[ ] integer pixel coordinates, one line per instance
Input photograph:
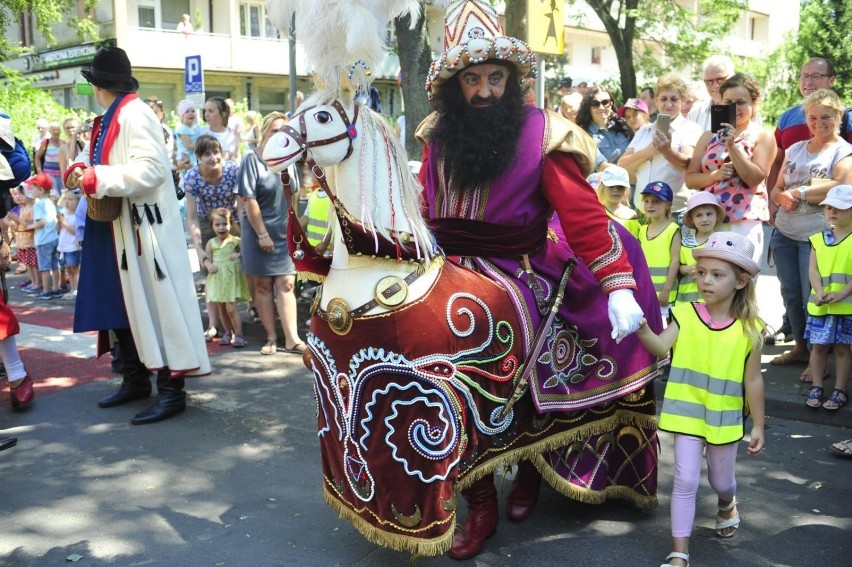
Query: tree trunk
(414, 60)
(516, 19)
(622, 39)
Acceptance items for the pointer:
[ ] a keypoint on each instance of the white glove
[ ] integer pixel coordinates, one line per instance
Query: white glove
(625, 315)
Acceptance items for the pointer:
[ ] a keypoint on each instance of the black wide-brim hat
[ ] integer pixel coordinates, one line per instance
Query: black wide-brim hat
(111, 70)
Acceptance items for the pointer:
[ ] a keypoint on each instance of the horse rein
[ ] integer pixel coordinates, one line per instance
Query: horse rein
(301, 135)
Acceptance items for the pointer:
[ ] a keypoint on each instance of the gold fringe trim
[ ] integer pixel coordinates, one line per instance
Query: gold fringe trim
(415, 545)
(309, 277)
(533, 452)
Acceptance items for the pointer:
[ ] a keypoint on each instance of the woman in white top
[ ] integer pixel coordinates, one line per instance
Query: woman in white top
(811, 167)
(654, 155)
(216, 115)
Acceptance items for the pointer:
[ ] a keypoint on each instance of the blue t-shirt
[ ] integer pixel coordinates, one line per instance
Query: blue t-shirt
(182, 151)
(45, 210)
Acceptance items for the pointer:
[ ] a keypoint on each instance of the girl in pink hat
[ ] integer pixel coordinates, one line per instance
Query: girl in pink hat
(703, 215)
(716, 358)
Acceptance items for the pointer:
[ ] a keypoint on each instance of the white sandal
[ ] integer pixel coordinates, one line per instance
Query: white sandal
(722, 524)
(676, 555)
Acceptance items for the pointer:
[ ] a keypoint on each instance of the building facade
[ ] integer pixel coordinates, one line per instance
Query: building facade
(244, 57)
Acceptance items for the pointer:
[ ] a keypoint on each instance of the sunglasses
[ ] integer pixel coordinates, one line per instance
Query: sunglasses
(605, 103)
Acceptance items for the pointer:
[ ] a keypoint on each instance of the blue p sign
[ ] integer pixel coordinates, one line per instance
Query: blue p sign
(193, 75)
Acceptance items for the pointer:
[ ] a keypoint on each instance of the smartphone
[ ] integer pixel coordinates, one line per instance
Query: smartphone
(663, 122)
(722, 114)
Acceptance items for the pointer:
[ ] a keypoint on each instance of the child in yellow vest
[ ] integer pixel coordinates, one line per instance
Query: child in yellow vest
(703, 215)
(614, 194)
(660, 240)
(716, 358)
(830, 305)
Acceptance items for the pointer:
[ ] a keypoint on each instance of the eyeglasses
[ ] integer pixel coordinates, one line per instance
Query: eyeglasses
(605, 103)
(814, 76)
(711, 82)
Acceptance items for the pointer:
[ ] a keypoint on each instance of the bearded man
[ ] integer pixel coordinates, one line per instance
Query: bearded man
(506, 193)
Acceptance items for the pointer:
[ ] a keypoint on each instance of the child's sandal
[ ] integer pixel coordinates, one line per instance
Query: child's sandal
(814, 399)
(838, 399)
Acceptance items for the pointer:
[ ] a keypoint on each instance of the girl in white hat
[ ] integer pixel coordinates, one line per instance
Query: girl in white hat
(703, 215)
(829, 305)
(716, 357)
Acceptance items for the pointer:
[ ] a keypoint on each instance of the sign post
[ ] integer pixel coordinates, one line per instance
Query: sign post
(193, 80)
(546, 26)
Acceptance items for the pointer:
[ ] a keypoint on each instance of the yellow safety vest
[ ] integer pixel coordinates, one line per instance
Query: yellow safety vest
(632, 225)
(834, 262)
(658, 254)
(705, 396)
(687, 287)
(318, 203)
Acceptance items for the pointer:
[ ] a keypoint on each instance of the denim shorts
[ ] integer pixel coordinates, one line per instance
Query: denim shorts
(71, 259)
(48, 257)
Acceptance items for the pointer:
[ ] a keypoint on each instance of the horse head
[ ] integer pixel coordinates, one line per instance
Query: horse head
(367, 170)
(323, 131)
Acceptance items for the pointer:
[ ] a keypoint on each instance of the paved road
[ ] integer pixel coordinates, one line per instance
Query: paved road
(236, 479)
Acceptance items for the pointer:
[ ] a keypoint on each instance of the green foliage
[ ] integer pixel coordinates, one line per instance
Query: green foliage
(46, 15)
(646, 27)
(26, 105)
(823, 32)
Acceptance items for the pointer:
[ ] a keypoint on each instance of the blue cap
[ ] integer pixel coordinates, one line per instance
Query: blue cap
(660, 190)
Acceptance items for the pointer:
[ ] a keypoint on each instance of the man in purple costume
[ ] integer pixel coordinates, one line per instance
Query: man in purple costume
(506, 193)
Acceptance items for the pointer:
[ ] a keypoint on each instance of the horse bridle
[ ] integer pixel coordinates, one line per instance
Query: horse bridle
(300, 136)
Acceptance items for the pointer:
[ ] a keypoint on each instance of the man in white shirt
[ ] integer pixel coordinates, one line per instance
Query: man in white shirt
(717, 69)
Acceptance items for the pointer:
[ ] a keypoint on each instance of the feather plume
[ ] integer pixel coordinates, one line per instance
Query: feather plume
(344, 40)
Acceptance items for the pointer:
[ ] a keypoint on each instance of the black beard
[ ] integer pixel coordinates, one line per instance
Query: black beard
(477, 144)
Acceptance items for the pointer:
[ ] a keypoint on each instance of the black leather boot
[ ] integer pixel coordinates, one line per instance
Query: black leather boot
(136, 384)
(171, 400)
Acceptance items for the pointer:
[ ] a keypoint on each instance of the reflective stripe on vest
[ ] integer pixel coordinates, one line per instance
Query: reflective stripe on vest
(704, 394)
(658, 254)
(834, 263)
(317, 217)
(687, 288)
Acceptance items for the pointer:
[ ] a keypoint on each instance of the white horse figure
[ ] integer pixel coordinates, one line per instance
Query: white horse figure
(370, 183)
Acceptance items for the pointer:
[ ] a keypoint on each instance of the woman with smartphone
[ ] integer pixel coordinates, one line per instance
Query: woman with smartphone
(661, 151)
(597, 117)
(733, 162)
(811, 167)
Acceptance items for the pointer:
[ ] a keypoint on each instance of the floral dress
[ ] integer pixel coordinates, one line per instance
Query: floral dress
(25, 239)
(229, 283)
(740, 201)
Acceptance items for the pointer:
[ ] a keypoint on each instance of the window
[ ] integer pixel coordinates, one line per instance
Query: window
(147, 17)
(173, 13)
(254, 23)
(273, 99)
(596, 55)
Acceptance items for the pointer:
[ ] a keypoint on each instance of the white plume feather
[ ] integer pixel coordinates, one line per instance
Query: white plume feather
(341, 38)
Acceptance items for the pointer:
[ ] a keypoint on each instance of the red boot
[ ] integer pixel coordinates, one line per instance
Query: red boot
(481, 521)
(23, 393)
(523, 494)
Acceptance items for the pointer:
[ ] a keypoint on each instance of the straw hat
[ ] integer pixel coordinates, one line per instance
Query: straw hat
(731, 247)
(473, 35)
(699, 199)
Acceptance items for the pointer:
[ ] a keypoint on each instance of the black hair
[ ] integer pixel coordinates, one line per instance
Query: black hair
(206, 144)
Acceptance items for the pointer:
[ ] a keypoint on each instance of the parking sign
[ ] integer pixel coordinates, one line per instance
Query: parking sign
(193, 75)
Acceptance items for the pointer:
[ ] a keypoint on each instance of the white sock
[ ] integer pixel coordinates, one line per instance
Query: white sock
(11, 359)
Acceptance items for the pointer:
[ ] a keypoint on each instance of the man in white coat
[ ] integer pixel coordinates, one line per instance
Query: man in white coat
(136, 285)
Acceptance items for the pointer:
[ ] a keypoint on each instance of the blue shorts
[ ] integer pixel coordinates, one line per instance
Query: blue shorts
(71, 259)
(48, 256)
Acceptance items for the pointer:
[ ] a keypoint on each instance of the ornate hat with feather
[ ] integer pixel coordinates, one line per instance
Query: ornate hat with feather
(473, 35)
